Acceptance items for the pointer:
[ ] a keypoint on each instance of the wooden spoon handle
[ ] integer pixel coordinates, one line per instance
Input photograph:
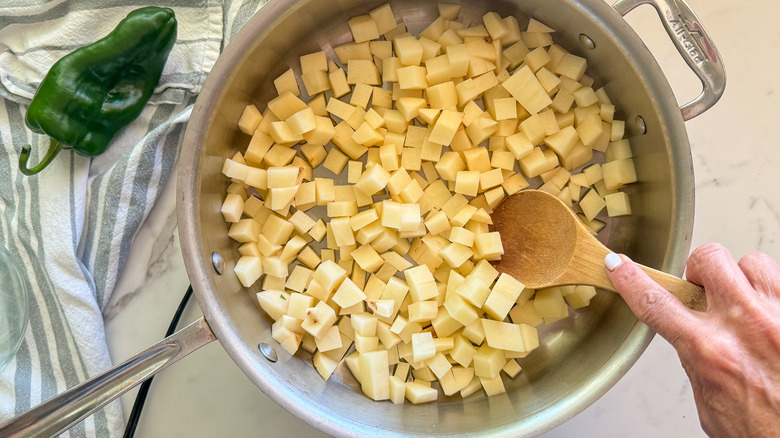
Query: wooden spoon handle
(690, 294)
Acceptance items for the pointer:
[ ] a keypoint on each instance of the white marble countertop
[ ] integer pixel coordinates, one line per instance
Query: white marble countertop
(734, 148)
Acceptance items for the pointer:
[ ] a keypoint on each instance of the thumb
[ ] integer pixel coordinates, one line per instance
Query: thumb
(650, 302)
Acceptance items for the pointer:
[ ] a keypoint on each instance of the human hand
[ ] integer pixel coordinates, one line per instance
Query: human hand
(731, 352)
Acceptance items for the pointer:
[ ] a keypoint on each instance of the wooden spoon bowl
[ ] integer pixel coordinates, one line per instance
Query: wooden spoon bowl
(546, 245)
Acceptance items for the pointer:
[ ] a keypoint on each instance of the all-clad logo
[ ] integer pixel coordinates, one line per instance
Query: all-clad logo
(689, 35)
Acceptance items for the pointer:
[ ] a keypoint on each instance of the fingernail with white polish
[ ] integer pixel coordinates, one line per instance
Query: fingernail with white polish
(612, 261)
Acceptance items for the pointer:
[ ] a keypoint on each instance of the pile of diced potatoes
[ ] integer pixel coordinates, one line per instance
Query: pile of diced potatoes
(363, 210)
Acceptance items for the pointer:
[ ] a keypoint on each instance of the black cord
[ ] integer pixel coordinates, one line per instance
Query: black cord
(135, 414)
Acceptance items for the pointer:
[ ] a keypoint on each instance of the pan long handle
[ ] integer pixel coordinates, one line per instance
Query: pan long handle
(694, 44)
(63, 411)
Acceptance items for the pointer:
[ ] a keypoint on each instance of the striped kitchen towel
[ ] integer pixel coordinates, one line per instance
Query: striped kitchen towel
(72, 225)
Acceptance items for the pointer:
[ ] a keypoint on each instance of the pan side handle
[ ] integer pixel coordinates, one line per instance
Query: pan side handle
(63, 411)
(695, 46)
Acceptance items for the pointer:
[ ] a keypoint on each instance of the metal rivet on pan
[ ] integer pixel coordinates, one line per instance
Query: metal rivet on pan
(641, 126)
(267, 351)
(587, 42)
(217, 262)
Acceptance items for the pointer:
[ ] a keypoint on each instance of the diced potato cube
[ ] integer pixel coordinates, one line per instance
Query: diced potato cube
(488, 246)
(292, 248)
(474, 291)
(286, 82)
(301, 122)
(372, 180)
(617, 204)
(412, 77)
(329, 276)
(277, 230)
(580, 297)
(438, 223)
(505, 108)
(422, 311)
(618, 130)
(245, 230)
(592, 203)
(525, 313)
(302, 222)
(285, 105)
(525, 87)
(463, 351)
(324, 363)
(514, 184)
(319, 319)
(375, 375)
(423, 347)
(338, 83)
(363, 28)
(418, 393)
(590, 129)
(618, 173)
(549, 81)
(488, 361)
(281, 177)
(316, 81)
(235, 170)
(232, 207)
(503, 335)
(279, 155)
(537, 59)
(571, 66)
(467, 182)
(422, 285)
(331, 340)
(455, 254)
(449, 11)
(298, 303)
(530, 336)
(618, 150)
(492, 386)
(342, 232)
(348, 294)
(408, 50)
(549, 303)
(462, 236)
(502, 297)
(363, 71)
(534, 163)
(512, 368)
(445, 127)
(248, 269)
(490, 179)
(563, 141)
(273, 302)
(477, 159)
(593, 173)
(384, 19)
(496, 27)
(316, 61)
(275, 266)
(364, 324)
(250, 119)
(397, 390)
(519, 145)
(367, 258)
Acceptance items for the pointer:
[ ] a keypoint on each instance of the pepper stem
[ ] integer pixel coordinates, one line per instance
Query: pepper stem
(54, 149)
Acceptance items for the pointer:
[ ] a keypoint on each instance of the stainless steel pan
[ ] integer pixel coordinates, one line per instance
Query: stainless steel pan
(581, 357)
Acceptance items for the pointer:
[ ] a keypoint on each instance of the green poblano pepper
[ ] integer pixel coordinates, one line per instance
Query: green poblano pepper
(93, 92)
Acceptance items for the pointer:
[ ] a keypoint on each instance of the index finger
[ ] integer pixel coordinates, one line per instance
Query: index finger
(650, 302)
(712, 266)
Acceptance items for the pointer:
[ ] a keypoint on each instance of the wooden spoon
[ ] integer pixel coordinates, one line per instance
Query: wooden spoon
(545, 245)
